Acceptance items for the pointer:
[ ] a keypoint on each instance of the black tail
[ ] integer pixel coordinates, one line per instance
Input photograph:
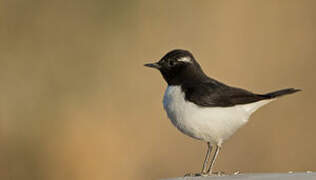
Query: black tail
(281, 92)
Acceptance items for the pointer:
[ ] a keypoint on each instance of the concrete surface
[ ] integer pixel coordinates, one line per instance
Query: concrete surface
(255, 176)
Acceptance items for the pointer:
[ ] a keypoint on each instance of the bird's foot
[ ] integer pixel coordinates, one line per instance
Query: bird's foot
(219, 173)
(195, 174)
(236, 172)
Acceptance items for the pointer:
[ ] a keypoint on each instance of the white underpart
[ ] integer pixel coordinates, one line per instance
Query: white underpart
(212, 124)
(185, 59)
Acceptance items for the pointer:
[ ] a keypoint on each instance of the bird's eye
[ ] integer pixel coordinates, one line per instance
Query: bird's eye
(171, 63)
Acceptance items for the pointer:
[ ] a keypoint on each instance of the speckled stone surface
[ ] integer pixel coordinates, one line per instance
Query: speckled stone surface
(255, 176)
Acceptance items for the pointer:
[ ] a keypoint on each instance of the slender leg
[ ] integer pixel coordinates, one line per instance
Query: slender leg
(207, 157)
(209, 171)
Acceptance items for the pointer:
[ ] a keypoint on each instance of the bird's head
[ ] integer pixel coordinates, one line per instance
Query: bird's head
(178, 66)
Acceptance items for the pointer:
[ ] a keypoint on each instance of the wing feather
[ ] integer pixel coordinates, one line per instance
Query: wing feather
(216, 94)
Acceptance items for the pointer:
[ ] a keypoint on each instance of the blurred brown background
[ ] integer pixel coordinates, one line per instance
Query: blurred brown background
(76, 102)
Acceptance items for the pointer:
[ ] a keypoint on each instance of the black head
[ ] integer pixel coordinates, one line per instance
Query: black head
(178, 66)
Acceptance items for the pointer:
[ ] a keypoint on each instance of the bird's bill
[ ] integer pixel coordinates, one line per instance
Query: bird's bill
(153, 65)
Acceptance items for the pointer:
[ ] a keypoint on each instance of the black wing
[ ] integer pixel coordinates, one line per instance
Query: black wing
(216, 94)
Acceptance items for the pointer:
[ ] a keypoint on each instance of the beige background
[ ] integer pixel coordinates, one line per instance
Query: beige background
(76, 102)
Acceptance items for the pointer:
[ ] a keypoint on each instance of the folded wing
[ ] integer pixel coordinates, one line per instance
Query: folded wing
(216, 94)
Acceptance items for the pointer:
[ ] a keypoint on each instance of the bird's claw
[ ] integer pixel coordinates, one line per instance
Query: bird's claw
(195, 174)
(219, 173)
(236, 172)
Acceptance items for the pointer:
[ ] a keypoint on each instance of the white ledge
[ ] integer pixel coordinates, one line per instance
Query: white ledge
(255, 176)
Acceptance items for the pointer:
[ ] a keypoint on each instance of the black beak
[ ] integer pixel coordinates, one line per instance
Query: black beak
(153, 65)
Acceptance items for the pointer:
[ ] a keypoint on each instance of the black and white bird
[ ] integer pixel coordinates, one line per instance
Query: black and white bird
(204, 108)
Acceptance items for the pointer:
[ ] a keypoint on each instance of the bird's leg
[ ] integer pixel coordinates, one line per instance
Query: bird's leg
(206, 161)
(207, 157)
(209, 171)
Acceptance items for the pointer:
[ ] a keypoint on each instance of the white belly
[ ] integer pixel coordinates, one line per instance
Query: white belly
(212, 124)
